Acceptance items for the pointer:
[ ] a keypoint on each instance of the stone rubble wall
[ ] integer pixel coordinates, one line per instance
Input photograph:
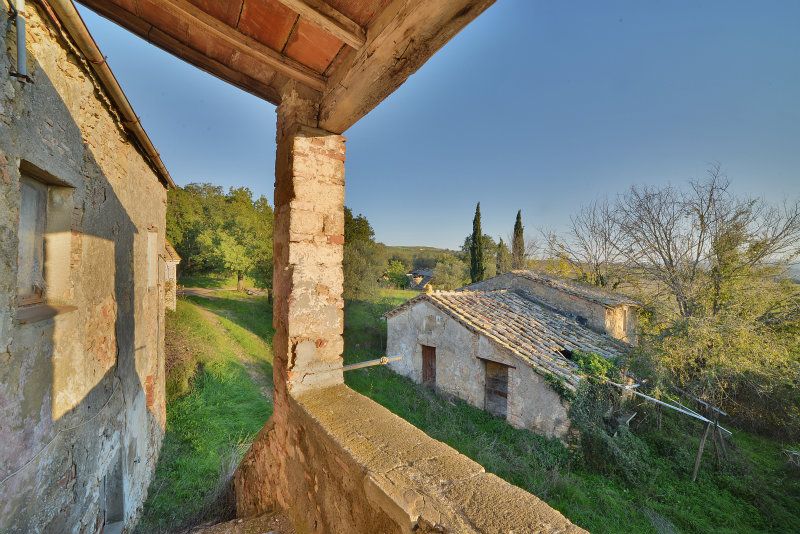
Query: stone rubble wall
(171, 285)
(81, 392)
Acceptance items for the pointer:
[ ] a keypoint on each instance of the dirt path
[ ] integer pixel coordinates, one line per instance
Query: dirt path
(256, 372)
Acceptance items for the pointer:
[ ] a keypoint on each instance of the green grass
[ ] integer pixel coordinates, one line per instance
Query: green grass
(212, 421)
(213, 281)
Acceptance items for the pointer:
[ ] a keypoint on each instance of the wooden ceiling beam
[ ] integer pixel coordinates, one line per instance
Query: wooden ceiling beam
(146, 31)
(332, 21)
(244, 43)
(399, 41)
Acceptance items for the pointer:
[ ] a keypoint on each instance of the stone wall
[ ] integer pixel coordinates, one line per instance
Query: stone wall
(460, 368)
(82, 406)
(170, 285)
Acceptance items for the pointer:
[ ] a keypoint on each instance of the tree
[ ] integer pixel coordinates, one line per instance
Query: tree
(396, 273)
(489, 248)
(590, 246)
(450, 273)
(502, 258)
(476, 267)
(696, 242)
(221, 233)
(476, 247)
(364, 259)
(518, 244)
(723, 316)
(262, 260)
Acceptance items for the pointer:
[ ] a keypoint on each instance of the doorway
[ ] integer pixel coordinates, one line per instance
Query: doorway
(496, 389)
(429, 365)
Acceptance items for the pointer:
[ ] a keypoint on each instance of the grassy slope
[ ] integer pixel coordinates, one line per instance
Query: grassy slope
(215, 408)
(754, 493)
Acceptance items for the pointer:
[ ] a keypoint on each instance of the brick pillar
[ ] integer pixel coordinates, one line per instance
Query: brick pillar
(308, 248)
(308, 309)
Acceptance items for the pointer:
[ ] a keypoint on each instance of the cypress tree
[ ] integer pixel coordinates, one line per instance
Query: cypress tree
(503, 259)
(518, 244)
(476, 267)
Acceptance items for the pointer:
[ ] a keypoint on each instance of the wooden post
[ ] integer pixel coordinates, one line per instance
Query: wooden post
(722, 444)
(700, 452)
(714, 436)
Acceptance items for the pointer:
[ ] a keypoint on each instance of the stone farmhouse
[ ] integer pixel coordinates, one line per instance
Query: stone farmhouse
(501, 343)
(82, 217)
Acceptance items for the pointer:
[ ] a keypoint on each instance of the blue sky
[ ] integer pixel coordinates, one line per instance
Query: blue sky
(539, 106)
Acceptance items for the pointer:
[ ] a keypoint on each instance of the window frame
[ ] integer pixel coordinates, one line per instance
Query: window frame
(56, 242)
(42, 190)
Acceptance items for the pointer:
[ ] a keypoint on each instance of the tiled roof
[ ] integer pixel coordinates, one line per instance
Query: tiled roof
(171, 254)
(530, 330)
(578, 289)
(422, 283)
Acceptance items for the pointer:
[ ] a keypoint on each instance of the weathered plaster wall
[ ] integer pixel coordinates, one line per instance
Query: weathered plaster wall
(81, 392)
(460, 369)
(621, 323)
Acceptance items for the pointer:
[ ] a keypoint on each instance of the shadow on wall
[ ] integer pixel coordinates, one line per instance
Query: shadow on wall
(80, 429)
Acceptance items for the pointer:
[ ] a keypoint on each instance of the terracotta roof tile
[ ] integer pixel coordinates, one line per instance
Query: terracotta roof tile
(572, 287)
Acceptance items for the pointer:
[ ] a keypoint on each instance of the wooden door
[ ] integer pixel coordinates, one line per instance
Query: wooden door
(496, 389)
(428, 365)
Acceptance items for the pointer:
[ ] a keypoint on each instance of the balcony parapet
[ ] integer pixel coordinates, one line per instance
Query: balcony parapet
(347, 464)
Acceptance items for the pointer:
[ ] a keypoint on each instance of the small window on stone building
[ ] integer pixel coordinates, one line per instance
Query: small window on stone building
(152, 259)
(32, 224)
(44, 236)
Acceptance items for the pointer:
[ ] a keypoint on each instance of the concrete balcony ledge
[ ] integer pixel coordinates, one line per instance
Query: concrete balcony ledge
(364, 469)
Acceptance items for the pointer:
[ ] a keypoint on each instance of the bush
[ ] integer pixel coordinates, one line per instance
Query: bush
(606, 447)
